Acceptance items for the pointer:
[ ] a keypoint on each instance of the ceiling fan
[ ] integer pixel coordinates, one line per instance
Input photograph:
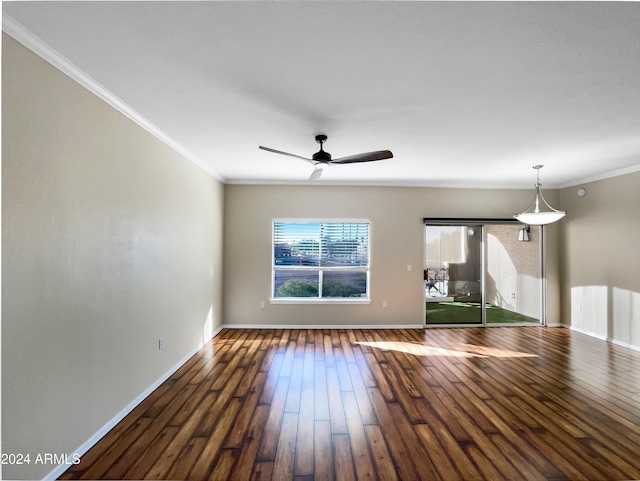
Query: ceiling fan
(322, 159)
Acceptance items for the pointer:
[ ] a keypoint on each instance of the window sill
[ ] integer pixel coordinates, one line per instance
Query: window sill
(309, 300)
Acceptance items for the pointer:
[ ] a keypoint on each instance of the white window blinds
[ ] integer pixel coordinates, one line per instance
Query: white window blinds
(320, 259)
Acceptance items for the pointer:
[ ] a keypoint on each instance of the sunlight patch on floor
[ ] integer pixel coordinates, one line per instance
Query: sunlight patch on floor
(462, 350)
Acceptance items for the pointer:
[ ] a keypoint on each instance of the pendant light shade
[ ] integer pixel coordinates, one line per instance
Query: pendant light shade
(539, 212)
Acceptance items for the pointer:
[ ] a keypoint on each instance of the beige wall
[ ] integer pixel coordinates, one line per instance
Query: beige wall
(397, 239)
(110, 240)
(601, 258)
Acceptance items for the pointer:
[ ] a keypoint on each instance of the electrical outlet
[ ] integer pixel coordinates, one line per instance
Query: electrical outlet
(408, 267)
(384, 304)
(161, 344)
(578, 307)
(513, 295)
(262, 304)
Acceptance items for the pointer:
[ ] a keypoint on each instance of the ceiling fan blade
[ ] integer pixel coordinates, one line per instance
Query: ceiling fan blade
(315, 175)
(284, 153)
(366, 157)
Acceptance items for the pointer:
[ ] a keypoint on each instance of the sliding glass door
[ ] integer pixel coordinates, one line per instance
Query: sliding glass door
(483, 274)
(453, 274)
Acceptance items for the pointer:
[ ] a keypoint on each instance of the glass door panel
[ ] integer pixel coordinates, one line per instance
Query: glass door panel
(513, 276)
(453, 274)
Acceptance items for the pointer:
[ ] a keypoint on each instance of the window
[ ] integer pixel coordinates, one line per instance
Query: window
(317, 260)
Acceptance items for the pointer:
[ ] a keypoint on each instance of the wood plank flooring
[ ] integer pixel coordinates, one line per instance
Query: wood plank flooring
(528, 403)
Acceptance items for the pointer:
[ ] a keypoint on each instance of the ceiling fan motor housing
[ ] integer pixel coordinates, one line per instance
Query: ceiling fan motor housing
(321, 155)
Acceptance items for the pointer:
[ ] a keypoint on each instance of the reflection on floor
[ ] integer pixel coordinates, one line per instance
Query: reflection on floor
(457, 312)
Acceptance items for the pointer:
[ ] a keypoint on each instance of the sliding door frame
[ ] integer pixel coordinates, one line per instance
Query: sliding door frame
(482, 223)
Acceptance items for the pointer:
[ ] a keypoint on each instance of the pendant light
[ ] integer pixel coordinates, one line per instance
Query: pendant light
(539, 212)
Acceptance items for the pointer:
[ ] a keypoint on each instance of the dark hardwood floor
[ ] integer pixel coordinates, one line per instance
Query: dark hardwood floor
(528, 403)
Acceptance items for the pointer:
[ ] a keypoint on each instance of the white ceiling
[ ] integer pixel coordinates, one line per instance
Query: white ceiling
(462, 93)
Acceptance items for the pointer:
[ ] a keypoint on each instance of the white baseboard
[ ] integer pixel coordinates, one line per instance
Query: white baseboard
(89, 443)
(623, 344)
(322, 326)
(589, 333)
(606, 338)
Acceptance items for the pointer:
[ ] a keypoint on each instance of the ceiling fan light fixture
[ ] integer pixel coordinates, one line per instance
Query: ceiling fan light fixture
(317, 171)
(539, 212)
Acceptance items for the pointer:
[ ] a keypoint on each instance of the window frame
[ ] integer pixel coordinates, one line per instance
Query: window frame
(320, 269)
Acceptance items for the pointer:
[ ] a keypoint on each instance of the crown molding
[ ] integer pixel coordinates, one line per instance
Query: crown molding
(419, 185)
(23, 35)
(603, 176)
